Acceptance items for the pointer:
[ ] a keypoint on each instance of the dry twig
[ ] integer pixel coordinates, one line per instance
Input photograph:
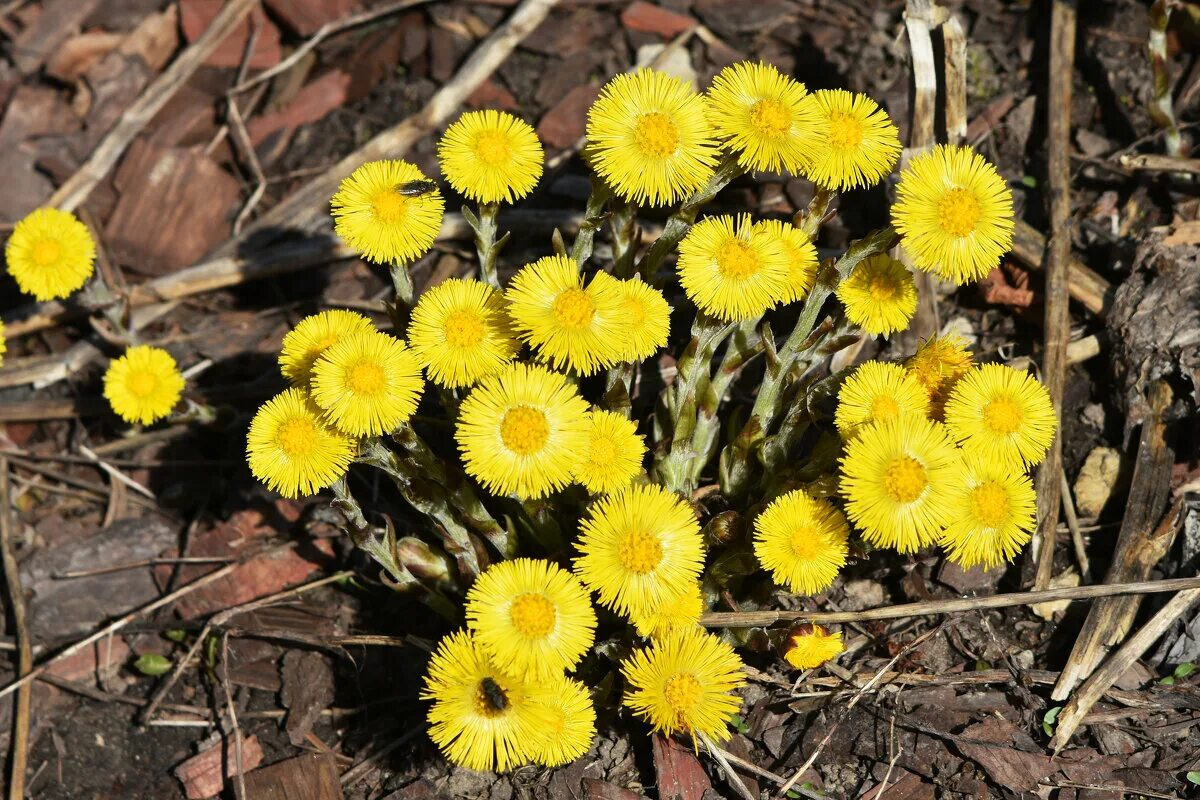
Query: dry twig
(16, 600)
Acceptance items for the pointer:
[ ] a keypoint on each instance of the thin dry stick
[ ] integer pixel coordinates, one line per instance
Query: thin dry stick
(1058, 318)
(76, 189)
(16, 599)
(1068, 507)
(115, 473)
(227, 687)
(751, 619)
(954, 41)
(1090, 691)
(731, 777)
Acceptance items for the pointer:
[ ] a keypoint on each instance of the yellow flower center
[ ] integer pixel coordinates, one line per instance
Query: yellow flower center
(142, 384)
(884, 408)
(1002, 416)
(805, 542)
(958, 212)
(604, 452)
(656, 135)
(639, 552)
(770, 117)
(389, 206)
(490, 699)
(682, 692)
(532, 615)
(463, 328)
(46, 252)
(574, 309)
(366, 377)
(493, 148)
(904, 479)
(524, 430)
(989, 504)
(737, 260)
(882, 288)
(845, 131)
(297, 437)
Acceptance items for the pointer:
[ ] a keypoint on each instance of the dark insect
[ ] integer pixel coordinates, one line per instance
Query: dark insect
(494, 694)
(416, 188)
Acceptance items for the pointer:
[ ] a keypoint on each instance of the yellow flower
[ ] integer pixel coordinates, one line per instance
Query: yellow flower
(1001, 415)
(490, 156)
(571, 326)
(896, 477)
(677, 612)
(880, 295)
(312, 336)
(481, 718)
(802, 541)
(954, 212)
(731, 269)
(143, 385)
(374, 217)
(853, 144)
(614, 454)
(878, 391)
(532, 617)
(292, 449)
(3, 342)
(639, 547)
(684, 683)
(50, 254)
(761, 115)
(809, 646)
(571, 724)
(644, 314)
(461, 333)
(367, 383)
(649, 138)
(992, 514)
(801, 255)
(938, 364)
(521, 430)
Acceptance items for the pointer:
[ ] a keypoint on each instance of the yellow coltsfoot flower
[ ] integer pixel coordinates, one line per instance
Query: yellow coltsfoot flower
(809, 646)
(649, 137)
(801, 255)
(954, 213)
(878, 391)
(461, 333)
(854, 143)
(1002, 415)
(645, 317)
(732, 269)
(993, 512)
(879, 296)
(570, 725)
(378, 214)
(367, 383)
(572, 326)
(760, 113)
(614, 455)
(3, 342)
(682, 611)
(521, 431)
(292, 449)
(639, 547)
(896, 478)
(312, 336)
(938, 364)
(684, 683)
(532, 617)
(143, 385)
(50, 254)
(802, 541)
(491, 156)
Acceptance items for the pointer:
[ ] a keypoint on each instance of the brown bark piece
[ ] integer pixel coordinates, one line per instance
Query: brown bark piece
(57, 22)
(991, 744)
(681, 776)
(306, 17)
(650, 18)
(309, 777)
(194, 18)
(77, 54)
(565, 123)
(313, 102)
(603, 790)
(204, 774)
(307, 691)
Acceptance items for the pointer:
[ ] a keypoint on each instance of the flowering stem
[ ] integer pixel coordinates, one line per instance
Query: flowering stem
(401, 310)
(617, 386)
(811, 218)
(622, 225)
(593, 218)
(487, 246)
(744, 345)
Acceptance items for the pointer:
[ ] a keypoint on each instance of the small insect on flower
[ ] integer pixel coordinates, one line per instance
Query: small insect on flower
(644, 314)
(143, 385)
(571, 723)
(50, 254)
(649, 137)
(854, 143)
(312, 336)
(801, 257)
(532, 617)
(639, 547)
(481, 718)
(954, 213)
(684, 683)
(367, 383)
(614, 455)
(993, 511)
(895, 478)
(682, 611)
(880, 295)
(809, 646)
(761, 115)
(732, 269)
(878, 391)
(1002, 415)
(386, 211)
(802, 541)
(461, 333)
(938, 364)
(491, 157)
(416, 188)
(292, 449)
